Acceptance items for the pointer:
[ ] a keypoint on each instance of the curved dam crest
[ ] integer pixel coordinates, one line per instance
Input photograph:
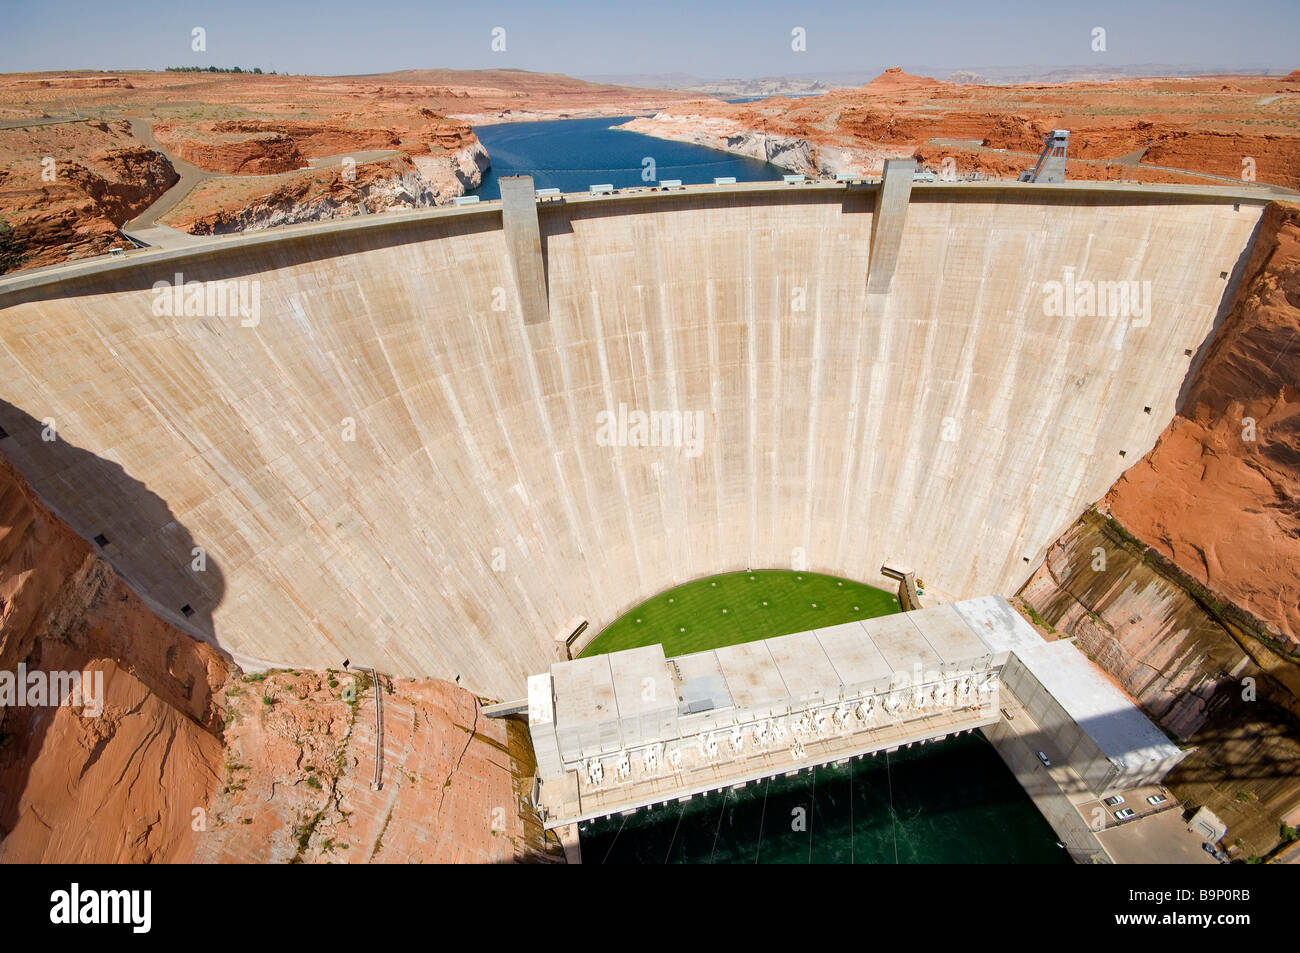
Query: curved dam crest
(470, 512)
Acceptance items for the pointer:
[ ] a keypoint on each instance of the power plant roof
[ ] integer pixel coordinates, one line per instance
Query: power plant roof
(1096, 704)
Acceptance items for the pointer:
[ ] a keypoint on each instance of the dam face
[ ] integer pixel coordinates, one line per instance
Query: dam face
(389, 465)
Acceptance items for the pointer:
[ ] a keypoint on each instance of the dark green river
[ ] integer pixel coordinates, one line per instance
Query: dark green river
(951, 802)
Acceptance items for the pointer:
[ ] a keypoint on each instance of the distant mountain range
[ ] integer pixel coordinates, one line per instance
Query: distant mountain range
(812, 83)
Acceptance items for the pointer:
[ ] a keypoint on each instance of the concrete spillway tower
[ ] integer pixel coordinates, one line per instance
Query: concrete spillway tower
(524, 246)
(1051, 164)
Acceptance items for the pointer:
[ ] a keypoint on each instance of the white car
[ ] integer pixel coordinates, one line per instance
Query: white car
(1114, 801)
(1157, 799)
(1043, 758)
(1124, 813)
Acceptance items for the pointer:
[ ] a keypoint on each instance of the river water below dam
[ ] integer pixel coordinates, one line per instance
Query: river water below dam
(951, 802)
(572, 154)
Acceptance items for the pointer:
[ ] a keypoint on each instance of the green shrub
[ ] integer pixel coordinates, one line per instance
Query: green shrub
(9, 255)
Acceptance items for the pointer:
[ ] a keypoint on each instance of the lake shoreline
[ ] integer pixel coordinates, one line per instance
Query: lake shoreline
(574, 154)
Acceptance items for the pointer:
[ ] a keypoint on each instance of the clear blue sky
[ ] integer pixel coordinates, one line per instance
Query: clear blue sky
(580, 37)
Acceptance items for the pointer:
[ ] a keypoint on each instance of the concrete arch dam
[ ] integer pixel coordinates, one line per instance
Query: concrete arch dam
(390, 461)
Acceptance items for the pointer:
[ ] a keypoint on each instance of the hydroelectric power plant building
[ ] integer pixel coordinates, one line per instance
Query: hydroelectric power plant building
(386, 448)
(632, 729)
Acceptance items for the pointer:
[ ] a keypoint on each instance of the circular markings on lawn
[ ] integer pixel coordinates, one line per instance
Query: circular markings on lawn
(704, 596)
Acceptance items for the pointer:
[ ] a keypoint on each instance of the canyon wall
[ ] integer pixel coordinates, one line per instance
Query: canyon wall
(298, 780)
(1185, 584)
(373, 187)
(1219, 495)
(77, 784)
(65, 188)
(179, 758)
(1191, 665)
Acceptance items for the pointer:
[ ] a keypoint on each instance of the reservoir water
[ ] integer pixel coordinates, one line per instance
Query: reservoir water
(571, 154)
(951, 802)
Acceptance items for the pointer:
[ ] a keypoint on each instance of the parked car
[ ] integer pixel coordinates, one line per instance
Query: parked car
(1157, 799)
(1043, 758)
(1115, 800)
(1124, 814)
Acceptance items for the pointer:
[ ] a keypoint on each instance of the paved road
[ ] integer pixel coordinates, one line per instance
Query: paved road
(145, 226)
(360, 158)
(46, 121)
(1130, 160)
(190, 176)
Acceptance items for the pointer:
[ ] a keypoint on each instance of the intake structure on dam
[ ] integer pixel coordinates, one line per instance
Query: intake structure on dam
(391, 454)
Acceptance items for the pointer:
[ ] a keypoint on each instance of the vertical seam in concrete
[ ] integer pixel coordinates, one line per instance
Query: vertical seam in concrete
(617, 461)
(677, 454)
(751, 410)
(561, 343)
(710, 314)
(776, 455)
(814, 414)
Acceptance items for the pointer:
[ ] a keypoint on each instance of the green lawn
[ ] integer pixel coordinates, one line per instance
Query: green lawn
(741, 607)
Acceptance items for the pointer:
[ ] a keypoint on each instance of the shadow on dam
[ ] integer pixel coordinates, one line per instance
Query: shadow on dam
(118, 515)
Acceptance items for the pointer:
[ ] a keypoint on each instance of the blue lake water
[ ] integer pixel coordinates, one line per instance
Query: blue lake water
(571, 154)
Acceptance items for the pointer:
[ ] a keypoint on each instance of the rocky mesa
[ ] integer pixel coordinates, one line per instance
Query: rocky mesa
(1192, 129)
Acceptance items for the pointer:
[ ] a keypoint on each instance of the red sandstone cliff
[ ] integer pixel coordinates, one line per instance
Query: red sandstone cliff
(300, 764)
(261, 147)
(1203, 632)
(121, 786)
(66, 188)
(1186, 125)
(1219, 494)
(191, 760)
